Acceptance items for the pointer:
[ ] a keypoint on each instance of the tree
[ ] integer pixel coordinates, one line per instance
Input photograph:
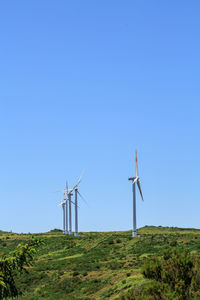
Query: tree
(13, 264)
(174, 276)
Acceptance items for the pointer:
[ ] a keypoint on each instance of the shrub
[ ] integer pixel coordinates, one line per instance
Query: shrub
(173, 244)
(174, 276)
(15, 263)
(111, 242)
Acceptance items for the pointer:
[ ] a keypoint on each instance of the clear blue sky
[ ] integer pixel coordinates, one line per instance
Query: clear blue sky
(82, 85)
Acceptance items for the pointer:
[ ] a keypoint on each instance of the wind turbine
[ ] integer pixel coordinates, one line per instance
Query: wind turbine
(66, 210)
(75, 189)
(64, 204)
(76, 209)
(134, 181)
(69, 199)
(69, 195)
(63, 207)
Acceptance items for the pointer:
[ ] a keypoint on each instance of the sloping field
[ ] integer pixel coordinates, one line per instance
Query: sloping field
(94, 265)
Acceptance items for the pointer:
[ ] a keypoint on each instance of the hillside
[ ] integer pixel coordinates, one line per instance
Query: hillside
(94, 265)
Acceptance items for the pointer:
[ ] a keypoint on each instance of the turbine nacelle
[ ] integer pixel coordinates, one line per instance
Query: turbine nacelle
(133, 179)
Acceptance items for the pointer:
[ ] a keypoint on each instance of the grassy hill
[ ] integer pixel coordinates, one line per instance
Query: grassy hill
(94, 265)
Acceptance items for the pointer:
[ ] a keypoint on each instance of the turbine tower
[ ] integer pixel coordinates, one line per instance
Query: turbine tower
(75, 189)
(69, 199)
(76, 212)
(66, 210)
(63, 203)
(70, 211)
(76, 209)
(134, 180)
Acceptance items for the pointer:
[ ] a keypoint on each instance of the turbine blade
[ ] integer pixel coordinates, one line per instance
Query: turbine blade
(67, 186)
(82, 197)
(71, 190)
(136, 167)
(134, 181)
(139, 187)
(74, 204)
(80, 178)
(61, 191)
(78, 182)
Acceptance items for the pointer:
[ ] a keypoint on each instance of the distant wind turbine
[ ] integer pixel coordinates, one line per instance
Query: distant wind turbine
(76, 209)
(75, 189)
(63, 207)
(70, 211)
(66, 210)
(134, 181)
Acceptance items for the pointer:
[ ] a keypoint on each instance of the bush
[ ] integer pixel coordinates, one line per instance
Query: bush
(111, 242)
(13, 264)
(173, 244)
(174, 276)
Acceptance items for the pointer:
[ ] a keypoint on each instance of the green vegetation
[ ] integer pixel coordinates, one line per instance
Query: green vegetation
(103, 265)
(13, 264)
(175, 275)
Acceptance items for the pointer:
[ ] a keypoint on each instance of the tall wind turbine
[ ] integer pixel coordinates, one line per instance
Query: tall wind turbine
(76, 212)
(70, 211)
(76, 209)
(134, 181)
(75, 189)
(63, 207)
(69, 199)
(66, 210)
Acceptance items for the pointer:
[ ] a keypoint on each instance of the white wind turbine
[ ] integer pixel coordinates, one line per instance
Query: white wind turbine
(75, 188)
(64, 205)
(76, 209)
(66, 210)
(134, 181)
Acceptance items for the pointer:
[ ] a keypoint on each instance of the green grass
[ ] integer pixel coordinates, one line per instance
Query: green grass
(94, 265)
